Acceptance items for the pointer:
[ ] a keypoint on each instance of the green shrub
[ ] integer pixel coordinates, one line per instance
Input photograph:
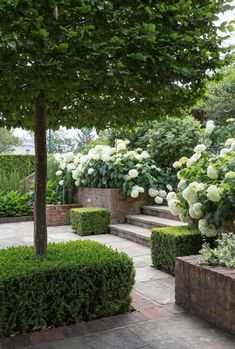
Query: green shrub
(81, 280)
(171, 242)
(23, 164)
(14, 204)
(90, 220)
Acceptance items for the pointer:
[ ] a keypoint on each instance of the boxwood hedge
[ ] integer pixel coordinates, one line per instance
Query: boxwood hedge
(89, 220)
(170, 242)
(81, 280)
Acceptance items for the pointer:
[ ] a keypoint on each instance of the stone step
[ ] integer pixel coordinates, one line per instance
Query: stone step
(159, 211)
(131, 232)
(150, 222)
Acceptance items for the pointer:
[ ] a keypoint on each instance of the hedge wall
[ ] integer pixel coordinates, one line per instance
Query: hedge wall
(79, 280)
(23, 164)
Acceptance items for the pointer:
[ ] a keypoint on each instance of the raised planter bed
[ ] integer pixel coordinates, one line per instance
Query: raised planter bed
(206, 291)
(59, 214)
(118, 204)
(16, 219)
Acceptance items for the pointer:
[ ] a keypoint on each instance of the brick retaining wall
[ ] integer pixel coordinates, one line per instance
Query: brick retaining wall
(206, 291)
(59, 214)
(16, 219)
(118, 204)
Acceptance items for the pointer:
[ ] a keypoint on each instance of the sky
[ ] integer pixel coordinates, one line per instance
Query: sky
(227, 16)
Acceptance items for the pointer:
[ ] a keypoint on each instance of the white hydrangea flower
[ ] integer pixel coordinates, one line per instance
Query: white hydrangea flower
(58, 157)
(190, 192)
(152, 192)
(133, 173)
(177, 164)
(194, 158)
(230, 175)
(61, 182)
(212, 172)
(139, 189)
(196, 211)
(182, 183)
(121, 146)
(169, 187)
(183, 160)
(134, 194)
(105, 157)
(58, 173)
(229, 142)
(171, 196)
(63, 165)
(224, 152)
(144, 155)
(232, 147)
(77, 183)
(174, 207)
(210, 126)
(90, 171)
(214, 193)
(162, 194)
(71, 167)
(207, 229)
(200, 148)
(158, 200)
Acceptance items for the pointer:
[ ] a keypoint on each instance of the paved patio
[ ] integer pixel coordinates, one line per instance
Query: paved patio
(157, 322)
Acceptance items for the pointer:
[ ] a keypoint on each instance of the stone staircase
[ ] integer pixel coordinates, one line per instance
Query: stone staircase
(138, 227)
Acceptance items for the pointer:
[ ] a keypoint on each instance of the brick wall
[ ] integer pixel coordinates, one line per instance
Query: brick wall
(118, 204)
(59, 214)
(206, 291)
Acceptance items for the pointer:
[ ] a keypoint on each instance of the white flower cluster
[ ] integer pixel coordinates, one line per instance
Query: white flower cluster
(210, 126)
(100, 162)
(206, 184)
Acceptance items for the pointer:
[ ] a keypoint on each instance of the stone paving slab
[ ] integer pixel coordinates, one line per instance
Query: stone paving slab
(182, 331)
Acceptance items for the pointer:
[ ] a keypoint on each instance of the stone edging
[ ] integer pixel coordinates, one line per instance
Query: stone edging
(16, 219)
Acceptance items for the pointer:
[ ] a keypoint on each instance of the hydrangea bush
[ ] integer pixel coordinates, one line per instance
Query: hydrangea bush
(131, 171)
(206, 187)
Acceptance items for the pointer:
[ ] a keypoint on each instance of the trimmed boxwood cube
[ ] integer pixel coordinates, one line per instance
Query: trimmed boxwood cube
(170, 242)
(89, 220)
(79, 280)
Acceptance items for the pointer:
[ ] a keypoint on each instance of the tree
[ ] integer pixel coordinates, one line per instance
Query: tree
(220, 102)
(8, 141)
(93, 63)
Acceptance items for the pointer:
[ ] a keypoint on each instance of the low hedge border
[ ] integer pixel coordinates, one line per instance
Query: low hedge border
(89, 220)
(170, 242)
(81, 280)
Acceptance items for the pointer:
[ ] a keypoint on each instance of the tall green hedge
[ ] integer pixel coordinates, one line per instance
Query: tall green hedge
(79, 280)
(23, 164)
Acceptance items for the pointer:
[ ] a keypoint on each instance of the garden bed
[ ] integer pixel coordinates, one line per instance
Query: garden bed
(118, 204)
(207, 291)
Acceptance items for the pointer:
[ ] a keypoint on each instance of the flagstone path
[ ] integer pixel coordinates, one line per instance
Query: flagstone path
(156, 323)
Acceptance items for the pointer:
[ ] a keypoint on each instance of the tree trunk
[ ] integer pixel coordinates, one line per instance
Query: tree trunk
(40, 227)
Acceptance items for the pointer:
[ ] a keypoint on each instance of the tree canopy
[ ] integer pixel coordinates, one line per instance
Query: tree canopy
(220, 101)
(96, 62)
(8, 141)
